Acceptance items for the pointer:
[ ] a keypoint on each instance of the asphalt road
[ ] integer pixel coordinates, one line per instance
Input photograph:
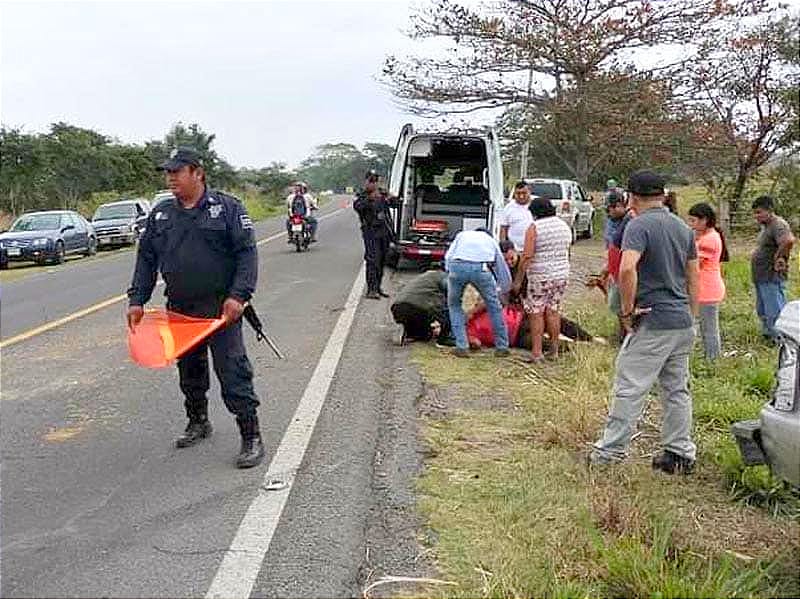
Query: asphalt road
(96, 501)
(48, 293)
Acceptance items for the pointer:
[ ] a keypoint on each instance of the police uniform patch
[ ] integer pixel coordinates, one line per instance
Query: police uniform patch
(245, 221)
(161, 215)
(215, 210)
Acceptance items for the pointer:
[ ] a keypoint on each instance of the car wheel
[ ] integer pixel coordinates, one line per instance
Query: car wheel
(3, 265)
(91, 249)
(61, 254)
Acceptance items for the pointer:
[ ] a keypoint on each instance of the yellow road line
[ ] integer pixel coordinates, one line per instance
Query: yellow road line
(49, 326)
(61, 321)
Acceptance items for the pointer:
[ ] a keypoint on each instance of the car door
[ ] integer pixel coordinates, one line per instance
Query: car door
(81, 233)
(569, 195)
(585, 208)
(396, 175)
(399, 162)
(68, 232)
(495, 181)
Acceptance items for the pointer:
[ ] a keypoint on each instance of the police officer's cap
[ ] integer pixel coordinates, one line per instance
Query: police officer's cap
(372, 175)
(180, 157)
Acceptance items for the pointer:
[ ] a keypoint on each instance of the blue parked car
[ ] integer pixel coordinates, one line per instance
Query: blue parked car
(44, 237)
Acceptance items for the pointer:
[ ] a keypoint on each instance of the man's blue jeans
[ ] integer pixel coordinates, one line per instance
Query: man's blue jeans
(460, 274)
(770, 300)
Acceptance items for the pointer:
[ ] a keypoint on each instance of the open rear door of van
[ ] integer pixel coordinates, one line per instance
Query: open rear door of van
(497, 201)
(400, 153)
(397, 174)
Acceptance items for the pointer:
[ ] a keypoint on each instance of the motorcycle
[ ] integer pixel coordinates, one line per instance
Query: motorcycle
(301, 232)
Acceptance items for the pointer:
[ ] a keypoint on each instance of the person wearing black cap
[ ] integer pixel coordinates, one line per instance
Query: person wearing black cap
(203, 244)
(658, 282)
(372, 206)
(616, 222)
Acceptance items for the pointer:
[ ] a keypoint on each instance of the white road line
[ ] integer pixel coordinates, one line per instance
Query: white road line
(242, 562)
(54, 324)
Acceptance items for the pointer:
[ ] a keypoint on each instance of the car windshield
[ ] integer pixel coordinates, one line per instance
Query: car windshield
(551, 191)
(37, 222)
(111, 212)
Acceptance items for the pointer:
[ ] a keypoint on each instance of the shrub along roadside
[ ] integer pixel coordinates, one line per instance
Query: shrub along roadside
(513, 510)
(259, 205)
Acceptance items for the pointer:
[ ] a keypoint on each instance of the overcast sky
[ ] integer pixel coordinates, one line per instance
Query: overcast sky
(272, 79)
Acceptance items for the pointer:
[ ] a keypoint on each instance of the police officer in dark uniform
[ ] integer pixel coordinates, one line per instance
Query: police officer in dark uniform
(203, 244)
(372, 206)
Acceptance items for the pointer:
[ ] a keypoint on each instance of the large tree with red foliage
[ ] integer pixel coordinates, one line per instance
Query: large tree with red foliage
(557, 58)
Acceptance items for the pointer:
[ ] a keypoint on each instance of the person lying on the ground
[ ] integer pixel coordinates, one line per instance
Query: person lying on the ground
(479, 329)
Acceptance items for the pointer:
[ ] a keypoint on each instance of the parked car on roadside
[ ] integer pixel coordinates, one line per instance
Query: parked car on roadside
(774, 438)
(43, 237)
(573, 205)
(121, 222)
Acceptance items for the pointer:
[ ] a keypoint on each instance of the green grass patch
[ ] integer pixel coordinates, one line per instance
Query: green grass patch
(260, 206)
(512, 509)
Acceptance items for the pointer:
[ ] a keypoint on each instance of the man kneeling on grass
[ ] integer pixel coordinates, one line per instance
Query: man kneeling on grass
(658, 288)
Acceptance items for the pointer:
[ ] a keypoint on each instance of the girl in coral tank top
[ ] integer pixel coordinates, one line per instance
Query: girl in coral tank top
(711, 252)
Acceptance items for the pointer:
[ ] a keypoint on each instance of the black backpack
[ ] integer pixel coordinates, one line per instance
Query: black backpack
(299, 205)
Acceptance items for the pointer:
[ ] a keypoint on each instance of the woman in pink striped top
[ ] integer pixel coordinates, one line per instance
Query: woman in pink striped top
(711, 251)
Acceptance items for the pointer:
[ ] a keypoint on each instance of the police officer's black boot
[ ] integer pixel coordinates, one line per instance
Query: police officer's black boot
(252, 451)
(198, 428)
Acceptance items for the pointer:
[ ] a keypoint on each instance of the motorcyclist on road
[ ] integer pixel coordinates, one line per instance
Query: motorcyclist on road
(298, 203)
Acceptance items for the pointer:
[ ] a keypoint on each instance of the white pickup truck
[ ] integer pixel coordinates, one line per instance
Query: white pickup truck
(572, 204)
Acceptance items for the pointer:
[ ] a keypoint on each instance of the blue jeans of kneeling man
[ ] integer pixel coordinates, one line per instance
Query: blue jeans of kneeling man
(461, 274)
